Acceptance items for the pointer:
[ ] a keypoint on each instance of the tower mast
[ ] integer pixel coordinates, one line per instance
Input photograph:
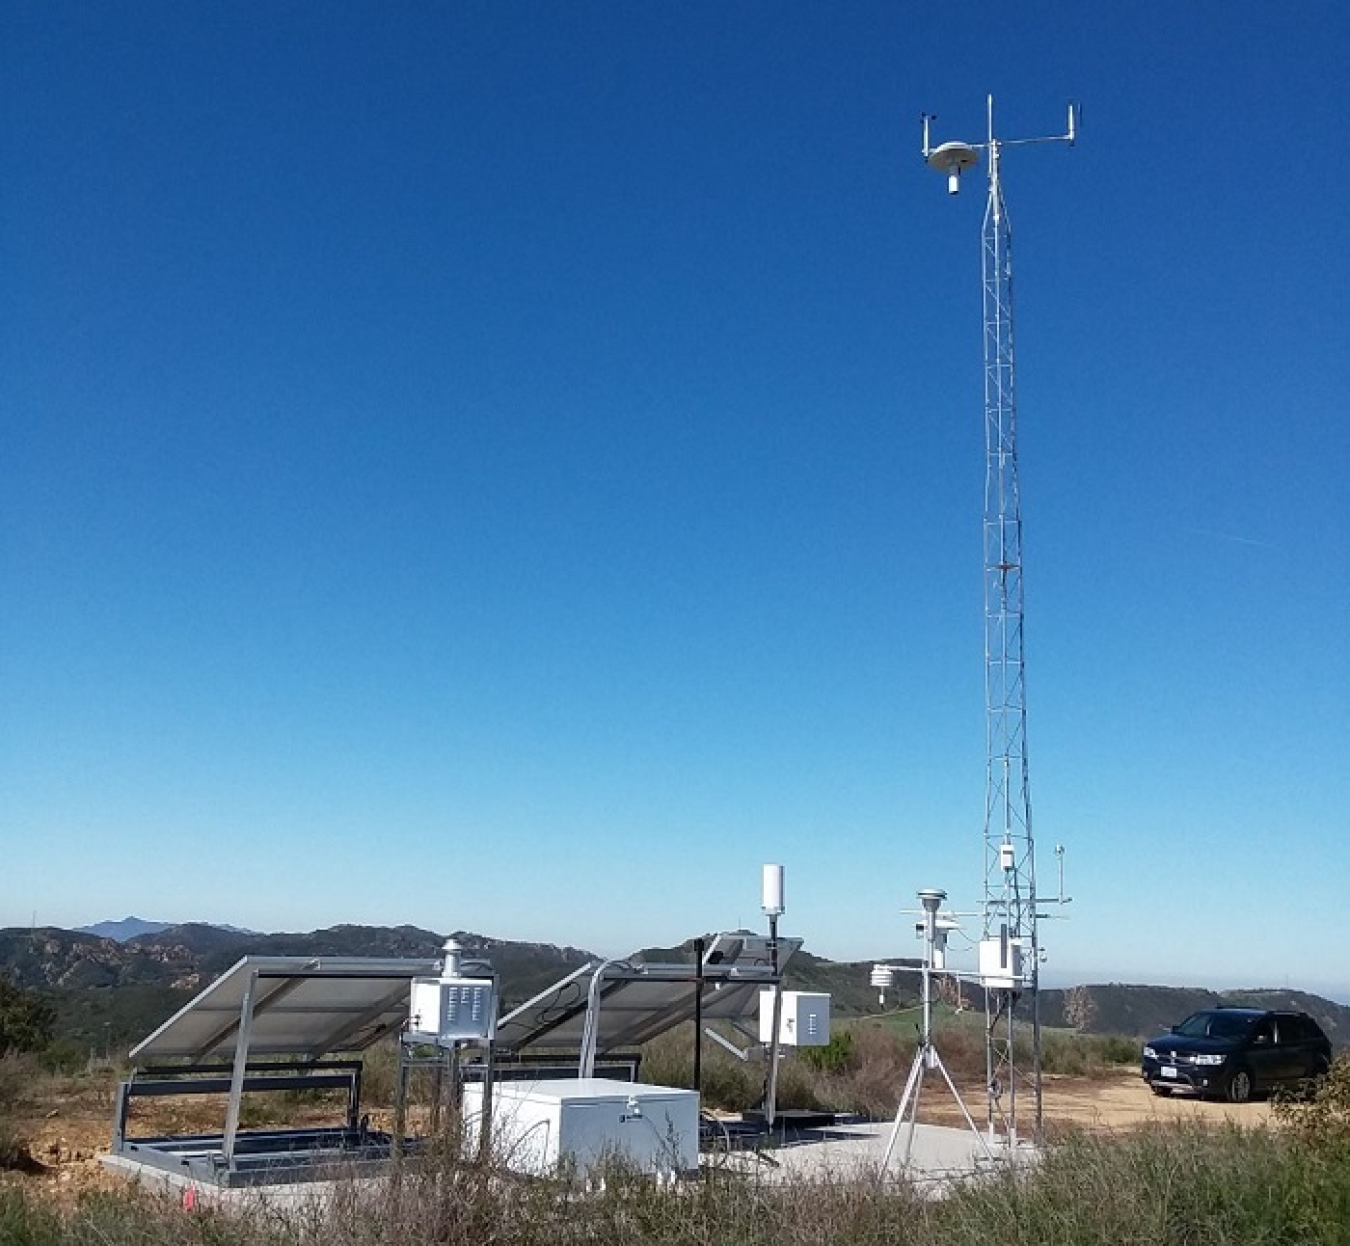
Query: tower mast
(1010, 946)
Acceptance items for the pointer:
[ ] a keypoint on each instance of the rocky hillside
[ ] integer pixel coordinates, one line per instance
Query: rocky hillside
(109, 993)
(187, 957)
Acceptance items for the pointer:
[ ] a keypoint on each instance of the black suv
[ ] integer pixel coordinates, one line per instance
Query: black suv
(1233, 1053)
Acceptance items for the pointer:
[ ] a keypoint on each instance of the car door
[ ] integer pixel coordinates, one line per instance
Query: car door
(1296, 1036)
(1264, 1054)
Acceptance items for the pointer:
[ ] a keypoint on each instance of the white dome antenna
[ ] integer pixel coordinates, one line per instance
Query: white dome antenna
(953, 159)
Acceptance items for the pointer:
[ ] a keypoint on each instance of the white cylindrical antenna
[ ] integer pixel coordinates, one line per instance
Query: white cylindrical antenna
(772, 902)
(1073, 121)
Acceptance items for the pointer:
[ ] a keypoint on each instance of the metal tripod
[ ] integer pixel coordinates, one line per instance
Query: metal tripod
(926, 1056)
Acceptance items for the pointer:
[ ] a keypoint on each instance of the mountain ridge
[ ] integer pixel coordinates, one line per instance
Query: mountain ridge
(105, 988)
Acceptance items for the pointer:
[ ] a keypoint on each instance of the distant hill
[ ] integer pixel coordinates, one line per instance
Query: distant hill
(1143, 1011)
(133, 927)
(121, 931)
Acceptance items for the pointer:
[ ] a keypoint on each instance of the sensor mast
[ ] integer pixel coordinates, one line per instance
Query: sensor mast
(1010, 948)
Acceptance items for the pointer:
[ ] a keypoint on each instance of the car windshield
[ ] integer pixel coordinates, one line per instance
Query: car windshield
(1215, 1025)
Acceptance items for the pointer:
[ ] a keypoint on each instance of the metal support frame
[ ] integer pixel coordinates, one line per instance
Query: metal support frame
(726, 1044)
(252, 1010)
(926, 1055)
(240, 1066)
(1010, 899)
(608, 975)
(771, 1086)
(1009, 903)
(447, 1065)
(218, 1079)
(590, 1034)
(700, 947)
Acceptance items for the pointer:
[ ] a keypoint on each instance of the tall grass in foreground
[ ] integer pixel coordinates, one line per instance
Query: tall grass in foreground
(1167, 1185)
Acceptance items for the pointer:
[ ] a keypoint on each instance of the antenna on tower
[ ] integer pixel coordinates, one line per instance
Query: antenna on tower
(1009, 950)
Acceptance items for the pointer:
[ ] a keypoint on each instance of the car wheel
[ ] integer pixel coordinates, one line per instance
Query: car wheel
(1161, 1091)
(1240, 1086)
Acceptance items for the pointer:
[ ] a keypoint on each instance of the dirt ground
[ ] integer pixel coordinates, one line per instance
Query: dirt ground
(72, 1128)
(1114, 1101)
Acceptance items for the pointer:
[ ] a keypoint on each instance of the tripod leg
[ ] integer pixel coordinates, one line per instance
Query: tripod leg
(909, 1106)
(961, 1103)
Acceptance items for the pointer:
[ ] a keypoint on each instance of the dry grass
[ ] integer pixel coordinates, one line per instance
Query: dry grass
(1167, 1185)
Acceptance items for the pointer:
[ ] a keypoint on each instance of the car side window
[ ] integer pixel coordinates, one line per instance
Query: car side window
(1264, 1032)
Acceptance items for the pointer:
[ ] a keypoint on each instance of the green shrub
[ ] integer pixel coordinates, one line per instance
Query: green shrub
(1321, 1119)
(379, 1073)
(835, 1057)
(65, 1055)
(19, 1075)
(1081, 1055)
(26, 1019)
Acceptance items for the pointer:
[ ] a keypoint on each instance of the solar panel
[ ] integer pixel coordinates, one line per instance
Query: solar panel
(305, 1006)
(640, 1001)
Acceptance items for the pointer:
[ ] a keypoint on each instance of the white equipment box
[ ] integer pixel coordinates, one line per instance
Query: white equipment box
(803, 1022)
(586, 1122)
(1001, 964)
(449, 1010)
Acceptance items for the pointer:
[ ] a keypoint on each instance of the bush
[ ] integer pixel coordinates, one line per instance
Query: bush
(835, 1057)
(1185, 1184)
(18, 1076)
(65, 1055)
(1084, 1054)
(26, 1019)
(879, 1062)
(379, 1073)
(1321, 1119)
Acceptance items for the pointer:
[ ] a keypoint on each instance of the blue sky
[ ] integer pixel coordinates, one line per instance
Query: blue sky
(519, 467)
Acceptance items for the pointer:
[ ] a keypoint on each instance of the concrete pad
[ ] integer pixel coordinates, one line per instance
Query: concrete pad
(292, 1197)
(939, 1156)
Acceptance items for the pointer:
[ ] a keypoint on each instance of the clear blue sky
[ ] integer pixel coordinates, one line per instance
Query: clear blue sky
(519, 467)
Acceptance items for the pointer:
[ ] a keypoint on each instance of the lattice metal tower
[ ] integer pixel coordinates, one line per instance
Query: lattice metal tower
(1010, 947)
